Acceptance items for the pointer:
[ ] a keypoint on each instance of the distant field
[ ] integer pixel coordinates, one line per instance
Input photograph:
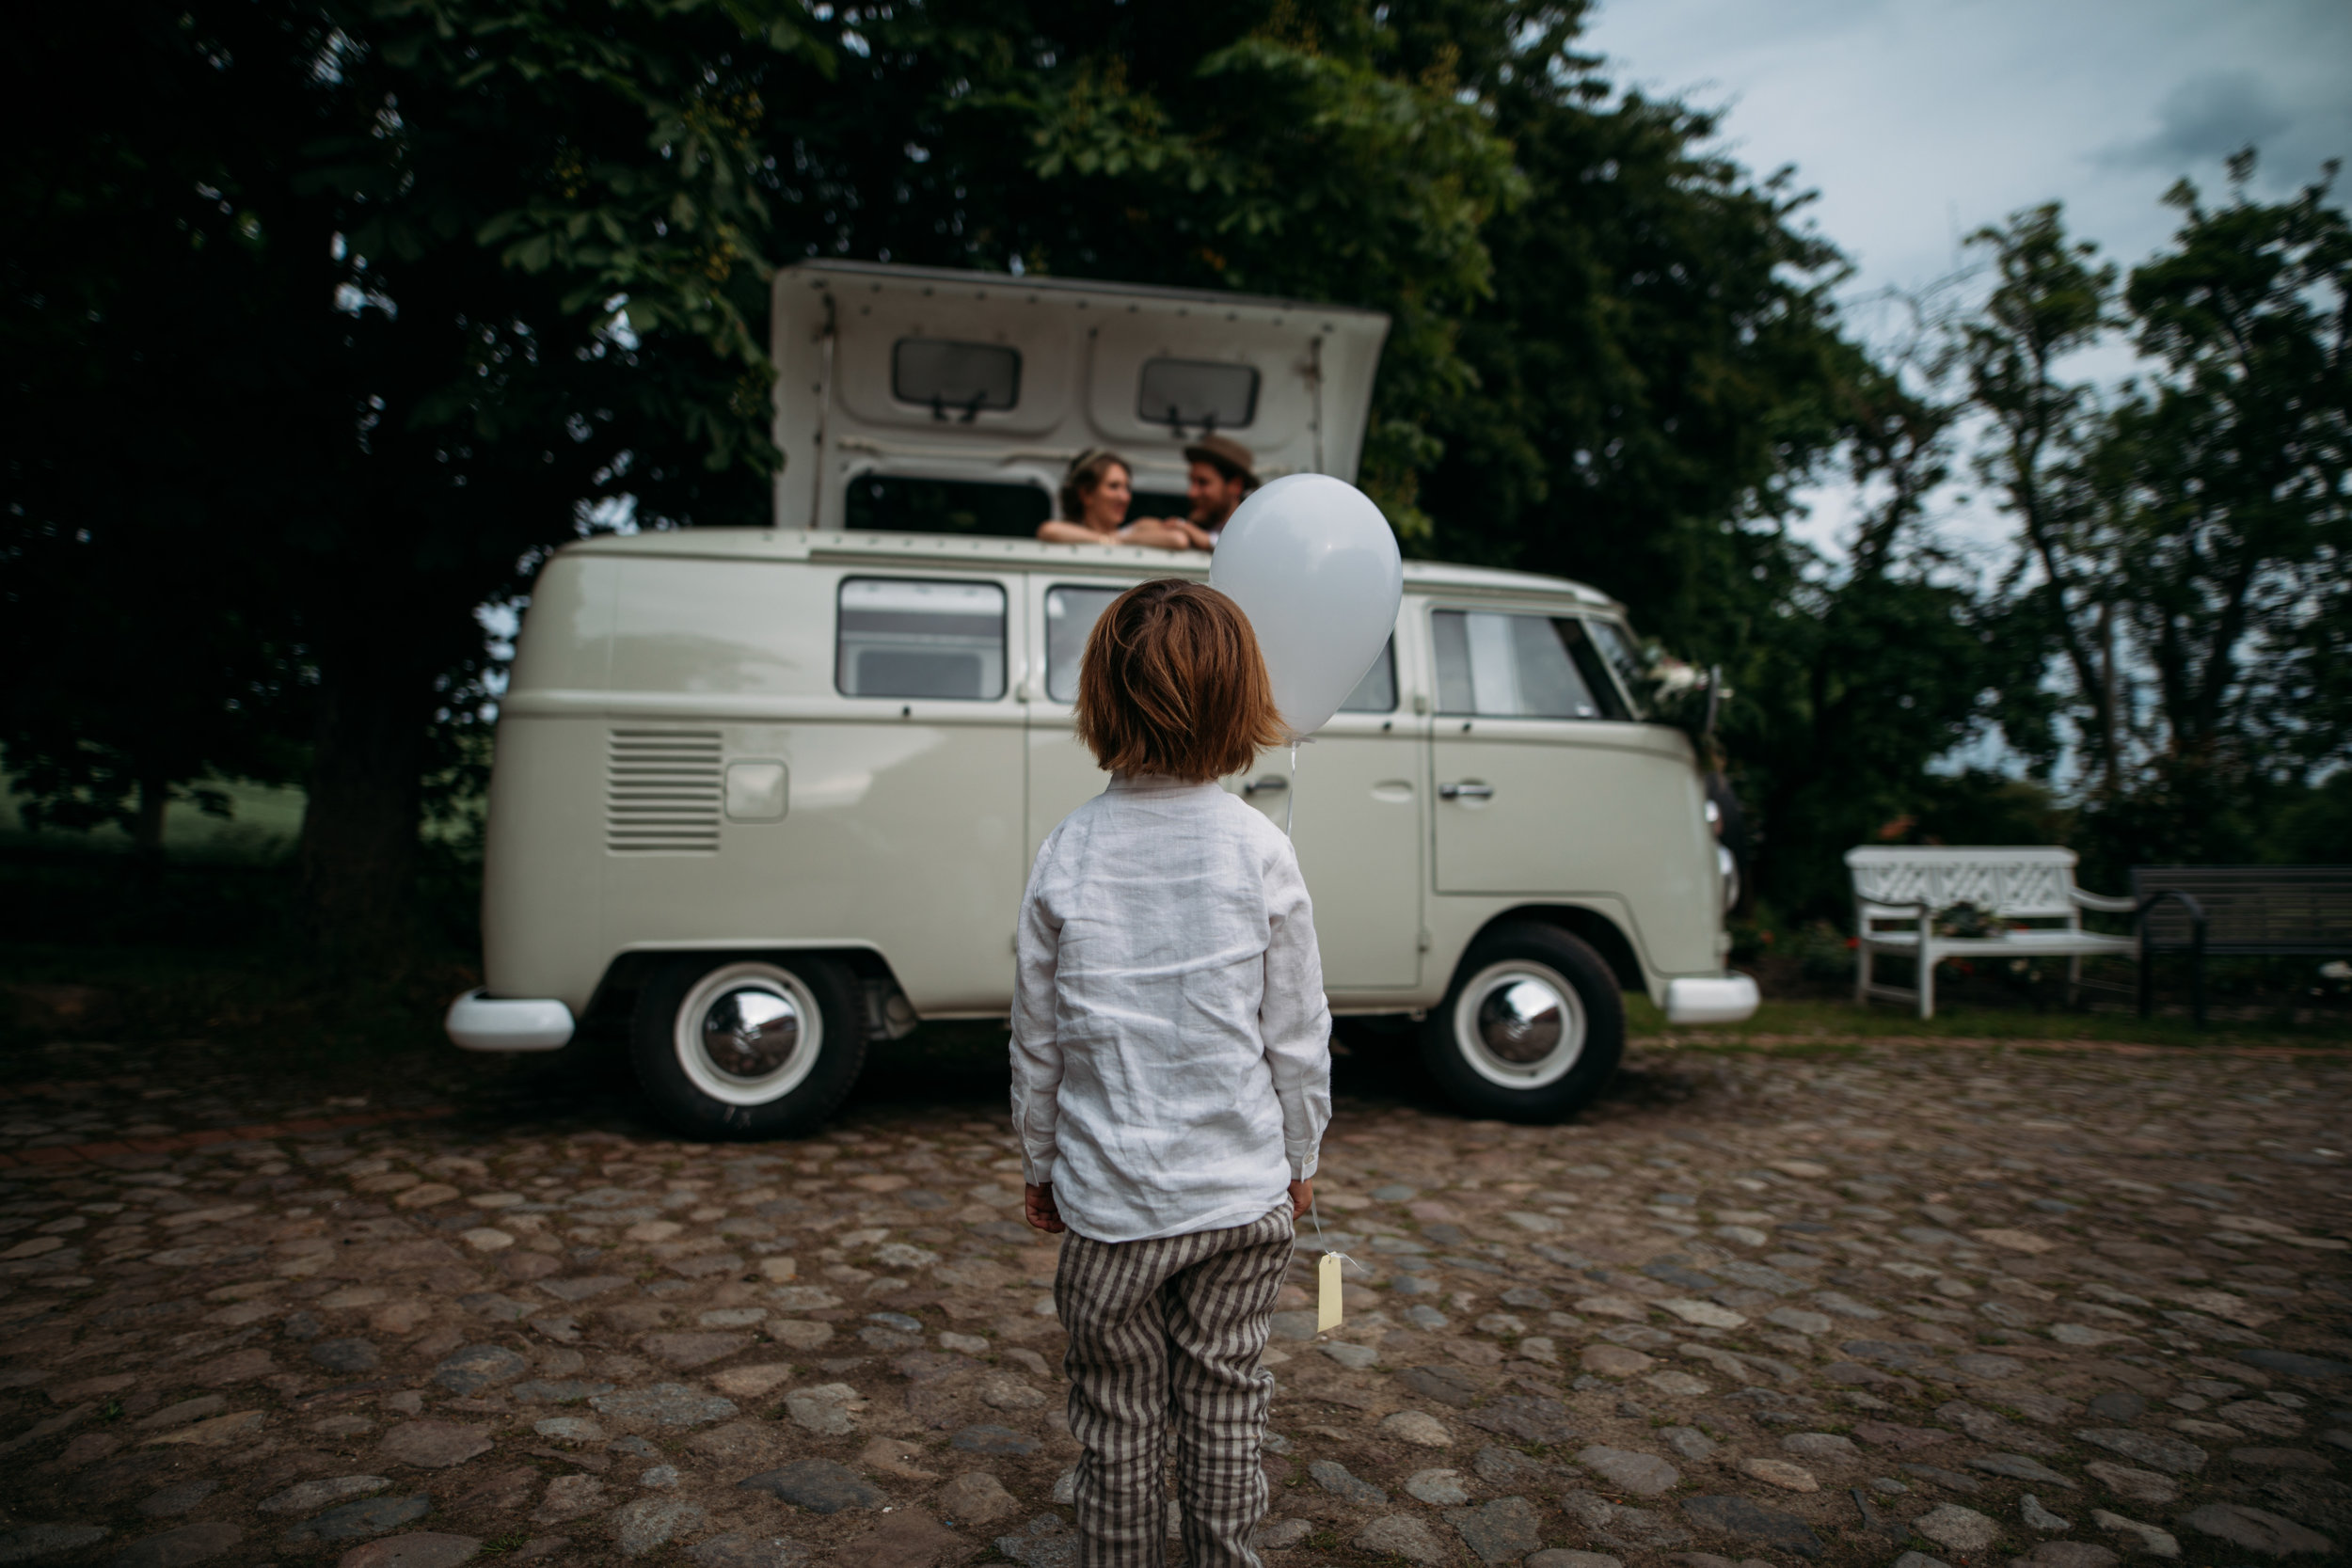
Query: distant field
(262, 827)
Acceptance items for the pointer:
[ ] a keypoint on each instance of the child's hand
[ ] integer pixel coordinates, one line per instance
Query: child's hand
(1302, 1197)
(1037, 1207)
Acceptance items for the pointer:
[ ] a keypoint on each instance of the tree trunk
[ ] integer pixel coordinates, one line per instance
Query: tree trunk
(2109, 699)
(147, 827)
(360, 830)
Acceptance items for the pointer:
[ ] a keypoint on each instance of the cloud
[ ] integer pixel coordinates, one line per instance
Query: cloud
(2204, 119)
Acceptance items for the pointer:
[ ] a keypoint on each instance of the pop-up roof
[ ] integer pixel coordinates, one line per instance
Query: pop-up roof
(952, 402)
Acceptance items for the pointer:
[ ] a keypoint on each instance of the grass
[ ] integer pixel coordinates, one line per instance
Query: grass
(267, 1003)
(1829, 1027)
(262, 826)
(206, 947)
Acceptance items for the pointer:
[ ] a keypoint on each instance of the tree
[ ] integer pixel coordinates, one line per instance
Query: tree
(143, 693)
(2182, 541)
(1659, 365)
(2235, 536)
(134, 670)
(468, 266)
(408, 285)
(2051, 298)
(361, 301)
(1309, 150)
(1659, 368)
(1865, 675)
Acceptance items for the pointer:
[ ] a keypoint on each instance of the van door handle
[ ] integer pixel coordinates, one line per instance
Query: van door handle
(1466, 792)
(1273, 783)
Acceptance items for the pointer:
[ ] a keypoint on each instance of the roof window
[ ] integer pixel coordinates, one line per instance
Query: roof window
(955, 379)
(1206, 393)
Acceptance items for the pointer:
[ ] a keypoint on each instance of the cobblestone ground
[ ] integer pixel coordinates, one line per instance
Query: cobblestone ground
(2071, 1307)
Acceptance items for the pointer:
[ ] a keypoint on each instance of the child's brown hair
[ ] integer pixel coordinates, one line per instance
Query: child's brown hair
(1172, 683)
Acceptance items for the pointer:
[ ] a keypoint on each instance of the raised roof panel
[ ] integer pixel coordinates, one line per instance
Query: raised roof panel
(966, 377)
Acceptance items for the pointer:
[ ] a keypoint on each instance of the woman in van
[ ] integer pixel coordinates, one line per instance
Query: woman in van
(1095, 495)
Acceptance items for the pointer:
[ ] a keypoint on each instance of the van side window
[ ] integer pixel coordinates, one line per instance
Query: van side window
(903, 638)
(1069, 616)
(1502, 666)
(1376, 691)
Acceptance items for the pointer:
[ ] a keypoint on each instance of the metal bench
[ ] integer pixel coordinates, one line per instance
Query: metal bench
(2033, 883)
(2239, 910)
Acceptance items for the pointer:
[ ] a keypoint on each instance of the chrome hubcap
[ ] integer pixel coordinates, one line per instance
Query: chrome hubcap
(749, 1034)
(1519, 1024)
(1520, 1021)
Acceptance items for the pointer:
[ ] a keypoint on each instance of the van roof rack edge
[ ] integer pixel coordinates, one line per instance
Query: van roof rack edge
(962, 277)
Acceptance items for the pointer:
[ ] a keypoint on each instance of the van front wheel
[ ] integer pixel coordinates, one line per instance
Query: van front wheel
(747, 1049)
(1532, 1029)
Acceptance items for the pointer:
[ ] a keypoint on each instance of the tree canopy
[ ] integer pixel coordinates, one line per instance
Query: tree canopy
(2183, 540)
(325, 319)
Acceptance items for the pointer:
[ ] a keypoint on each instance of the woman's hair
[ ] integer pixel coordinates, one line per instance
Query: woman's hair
(1172, 683)
(1084, 475)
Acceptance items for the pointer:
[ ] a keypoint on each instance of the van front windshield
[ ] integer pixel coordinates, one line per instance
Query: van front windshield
(1617, 645)
(1503, 666)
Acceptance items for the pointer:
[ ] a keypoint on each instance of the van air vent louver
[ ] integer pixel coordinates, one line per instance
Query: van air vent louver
(661, 792)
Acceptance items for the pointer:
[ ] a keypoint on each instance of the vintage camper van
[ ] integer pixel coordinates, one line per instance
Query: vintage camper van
(764, 795)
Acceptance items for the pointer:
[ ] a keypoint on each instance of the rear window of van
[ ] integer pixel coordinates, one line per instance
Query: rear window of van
(897, 503)
(909, 636)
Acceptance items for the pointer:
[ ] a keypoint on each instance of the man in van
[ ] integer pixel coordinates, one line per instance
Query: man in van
(1222, 475)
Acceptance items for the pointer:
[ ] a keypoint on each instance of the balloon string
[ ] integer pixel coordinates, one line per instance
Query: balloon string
(1315, 1215)
(1289, 798)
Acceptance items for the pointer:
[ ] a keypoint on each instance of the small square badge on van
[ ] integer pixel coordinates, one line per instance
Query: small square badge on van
(755, 791)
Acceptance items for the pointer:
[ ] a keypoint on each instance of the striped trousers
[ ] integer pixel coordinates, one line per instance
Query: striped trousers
(1167, 1334)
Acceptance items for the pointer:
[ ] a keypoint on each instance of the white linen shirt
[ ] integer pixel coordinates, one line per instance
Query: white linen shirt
(1171, 1064)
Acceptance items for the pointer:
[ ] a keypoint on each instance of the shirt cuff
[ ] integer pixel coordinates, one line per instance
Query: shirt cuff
(1303, 1163)
(1038, 1172)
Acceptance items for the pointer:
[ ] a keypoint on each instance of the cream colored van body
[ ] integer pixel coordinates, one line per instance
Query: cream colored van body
(701, 807)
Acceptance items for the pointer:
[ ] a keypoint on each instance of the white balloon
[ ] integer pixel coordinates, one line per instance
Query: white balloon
(1314, 565)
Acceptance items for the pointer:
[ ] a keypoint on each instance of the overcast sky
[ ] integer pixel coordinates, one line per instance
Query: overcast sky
(1919, 120)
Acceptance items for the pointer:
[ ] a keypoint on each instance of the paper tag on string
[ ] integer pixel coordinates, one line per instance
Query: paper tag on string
(1328, 1292)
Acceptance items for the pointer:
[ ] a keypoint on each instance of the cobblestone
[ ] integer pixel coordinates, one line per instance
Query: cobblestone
(2116, 1280)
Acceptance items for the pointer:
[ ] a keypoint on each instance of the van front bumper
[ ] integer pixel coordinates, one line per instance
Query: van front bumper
(1710, 999)
(479, 1023)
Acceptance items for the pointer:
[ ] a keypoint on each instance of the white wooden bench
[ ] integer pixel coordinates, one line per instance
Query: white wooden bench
(2007, 885)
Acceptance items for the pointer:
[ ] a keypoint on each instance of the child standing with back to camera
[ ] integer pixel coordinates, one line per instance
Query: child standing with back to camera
(1170, 1076)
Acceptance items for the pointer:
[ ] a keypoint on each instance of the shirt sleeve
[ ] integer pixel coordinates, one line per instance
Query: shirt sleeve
(1293, 1019)
(1037, 1059)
